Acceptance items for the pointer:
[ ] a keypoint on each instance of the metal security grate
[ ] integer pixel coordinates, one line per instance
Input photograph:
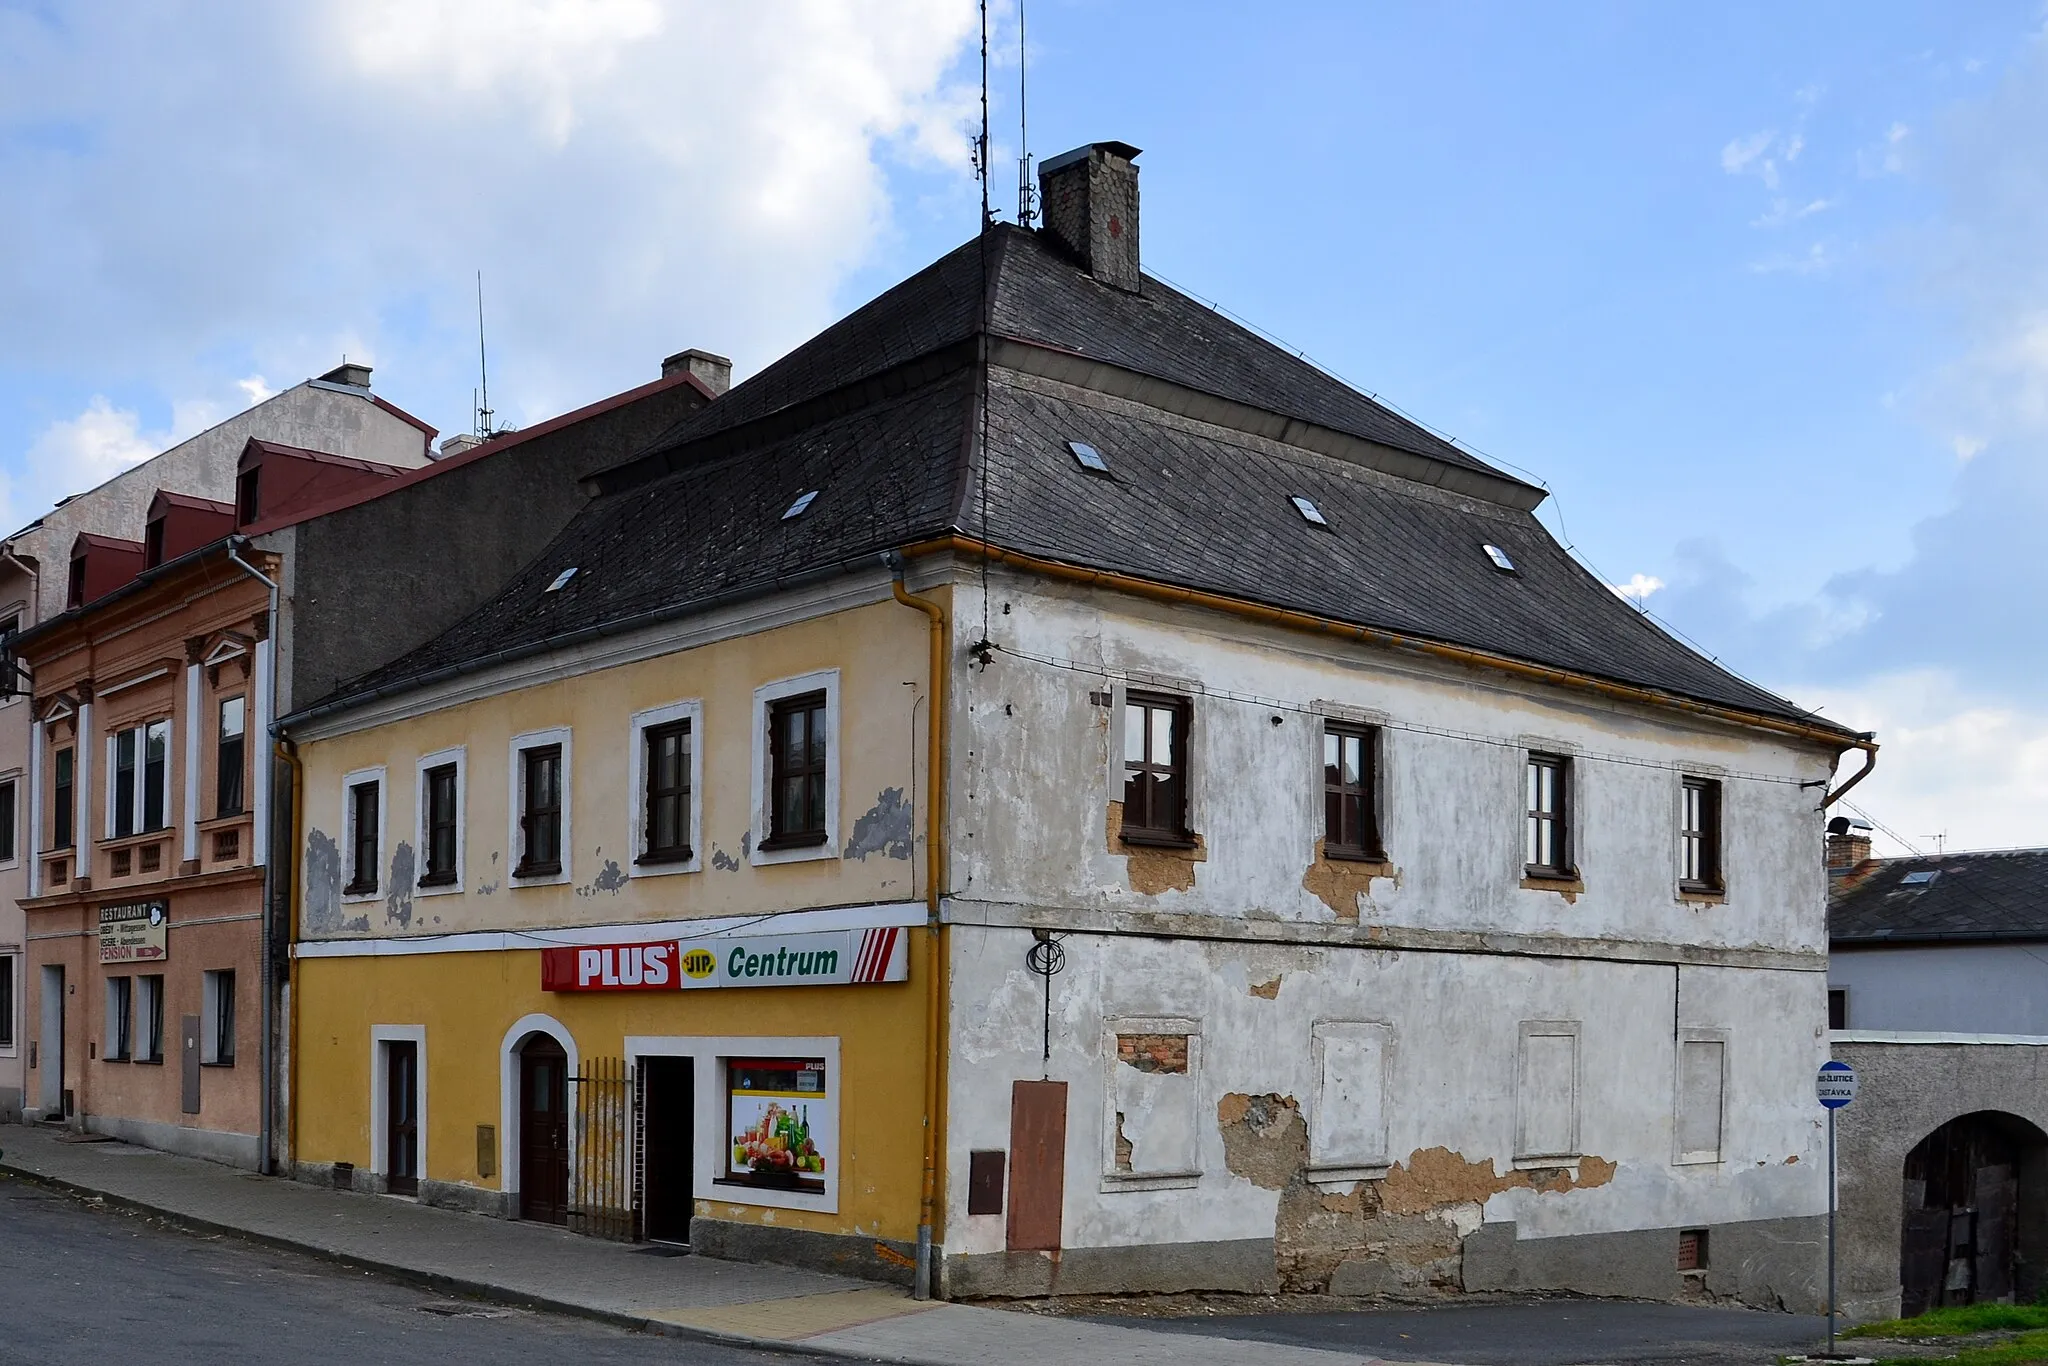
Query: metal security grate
(601, 1194)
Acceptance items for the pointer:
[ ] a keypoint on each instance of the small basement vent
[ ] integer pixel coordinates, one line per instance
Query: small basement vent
(1692, 1250)
(802, 503)
(1499, 557)
(1089, 457)
(1310, 513)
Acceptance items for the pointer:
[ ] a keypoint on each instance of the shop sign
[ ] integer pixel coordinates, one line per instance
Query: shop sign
(137, 932)
(834, 958)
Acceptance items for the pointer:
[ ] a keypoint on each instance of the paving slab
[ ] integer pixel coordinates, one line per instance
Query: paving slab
(549, 1268)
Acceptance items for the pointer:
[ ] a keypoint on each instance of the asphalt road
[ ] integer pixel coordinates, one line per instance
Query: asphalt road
(85, 1285)
(1546, 1333)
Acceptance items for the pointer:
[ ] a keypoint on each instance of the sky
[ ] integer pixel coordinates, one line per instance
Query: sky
(1759, 291)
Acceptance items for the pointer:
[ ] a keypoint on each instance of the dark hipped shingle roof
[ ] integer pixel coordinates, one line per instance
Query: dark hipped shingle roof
(1037, 295)
(1999, 895)
(1189, 504)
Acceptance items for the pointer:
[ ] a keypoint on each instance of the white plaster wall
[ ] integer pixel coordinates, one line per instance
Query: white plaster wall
(1037, 763)
(1945, 988)
(1456, 1020)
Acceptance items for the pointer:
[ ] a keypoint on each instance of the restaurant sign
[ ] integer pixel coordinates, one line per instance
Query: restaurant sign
(136, 932)
(835, 958)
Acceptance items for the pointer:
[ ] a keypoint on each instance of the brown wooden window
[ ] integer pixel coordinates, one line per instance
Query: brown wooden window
(153, 544)
(1156, 769)
(796, 767)
(65, 805)
(667, 760)
(540, 813)
(248, 500)
(7, 842)
(1547, 794)
(1350, 792)
(438, 793)
(1699, 836)
(230, 756)
(364, 838)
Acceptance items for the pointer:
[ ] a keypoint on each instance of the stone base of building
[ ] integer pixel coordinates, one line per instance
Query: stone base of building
(1767, 1264)
(844, 1254)
(455, 1195)
(10, 1105)
(215, 1145)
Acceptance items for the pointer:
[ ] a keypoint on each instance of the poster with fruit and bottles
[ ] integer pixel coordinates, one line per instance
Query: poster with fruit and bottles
(783, 1122)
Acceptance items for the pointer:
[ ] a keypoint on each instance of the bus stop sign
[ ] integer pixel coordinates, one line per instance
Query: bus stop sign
(1836, 1084)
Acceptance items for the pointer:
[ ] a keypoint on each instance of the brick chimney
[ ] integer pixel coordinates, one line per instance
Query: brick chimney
(713, 372)
(1088, 201)
(1848, 845)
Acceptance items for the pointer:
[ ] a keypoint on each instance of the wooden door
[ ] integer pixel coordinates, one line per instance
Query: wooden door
(401, 1117)
(543, 1131)
(1038, 1165)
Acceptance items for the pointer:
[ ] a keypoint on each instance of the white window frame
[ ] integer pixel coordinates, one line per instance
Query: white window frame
(515, 804)
(113, 1023)
(765, 697)
(1680, 1156)
(380, 1157)
(113, 740)
(14, 776)
(457, 755)
(349, 783)
(691, 710)
(209, 1018)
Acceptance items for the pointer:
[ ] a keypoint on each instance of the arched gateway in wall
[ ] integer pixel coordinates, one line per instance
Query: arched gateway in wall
(1972, 1205)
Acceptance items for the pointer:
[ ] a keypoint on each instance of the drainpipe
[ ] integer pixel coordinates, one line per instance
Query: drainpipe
(266, 1064)
(934, 865)
(288, 750)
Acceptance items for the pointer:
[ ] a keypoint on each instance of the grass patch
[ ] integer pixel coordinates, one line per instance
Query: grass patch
(1959, 1321)
(2028, 1349)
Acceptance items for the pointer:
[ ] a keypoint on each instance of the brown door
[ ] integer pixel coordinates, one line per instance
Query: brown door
(543, 1131)
(402, 1118)
(1038, 1165)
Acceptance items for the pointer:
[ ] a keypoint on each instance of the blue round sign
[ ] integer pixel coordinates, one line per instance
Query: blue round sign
(1836, 1084)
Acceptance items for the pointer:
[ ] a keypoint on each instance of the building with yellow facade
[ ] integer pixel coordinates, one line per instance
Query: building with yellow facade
(1041, 790)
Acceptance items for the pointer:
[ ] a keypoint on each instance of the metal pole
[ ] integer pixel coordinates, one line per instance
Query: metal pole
(1831, 1231)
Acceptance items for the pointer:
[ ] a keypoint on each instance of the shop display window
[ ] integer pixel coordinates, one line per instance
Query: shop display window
(781, 1123)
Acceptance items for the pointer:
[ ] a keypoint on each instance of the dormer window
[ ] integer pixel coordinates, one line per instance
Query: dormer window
(153, 544)
(76, 597)
(247, 497)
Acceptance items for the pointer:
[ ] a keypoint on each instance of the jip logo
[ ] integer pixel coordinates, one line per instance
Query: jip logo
(700, 963)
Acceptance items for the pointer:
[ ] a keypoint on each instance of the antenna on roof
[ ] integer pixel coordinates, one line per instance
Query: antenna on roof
(1027, 193)
(483, 370)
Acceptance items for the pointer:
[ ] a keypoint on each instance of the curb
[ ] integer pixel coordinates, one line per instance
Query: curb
(434, 1280)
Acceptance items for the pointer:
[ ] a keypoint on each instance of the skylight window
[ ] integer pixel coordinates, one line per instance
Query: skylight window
(560, 579)
(1919, 878)
(797, 508)
(1089, 457)
(1499, 557)
(1310, 513)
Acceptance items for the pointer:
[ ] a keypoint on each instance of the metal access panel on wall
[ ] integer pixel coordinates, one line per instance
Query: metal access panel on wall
(1038, 1165)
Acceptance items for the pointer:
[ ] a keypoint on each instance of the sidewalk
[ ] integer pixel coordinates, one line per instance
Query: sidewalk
(548, 1268)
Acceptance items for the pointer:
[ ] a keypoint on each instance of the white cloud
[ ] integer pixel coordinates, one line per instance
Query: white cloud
(75, 454)
(1949, 760)
(632, 177)
(1739, 154)
(1783, 211)
(1814, 260)
(1887, 157)
(255, 389)
(1638, 588)
(1966, 447)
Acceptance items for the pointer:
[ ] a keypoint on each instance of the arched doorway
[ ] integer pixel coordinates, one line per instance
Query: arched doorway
(1974, 1203)
(543, 1130)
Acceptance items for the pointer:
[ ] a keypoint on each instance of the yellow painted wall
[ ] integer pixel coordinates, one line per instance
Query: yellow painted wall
(880, 651)
(468, 1001)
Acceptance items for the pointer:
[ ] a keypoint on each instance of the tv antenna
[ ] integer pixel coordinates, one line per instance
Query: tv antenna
(1027, 193)
(483, 369)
